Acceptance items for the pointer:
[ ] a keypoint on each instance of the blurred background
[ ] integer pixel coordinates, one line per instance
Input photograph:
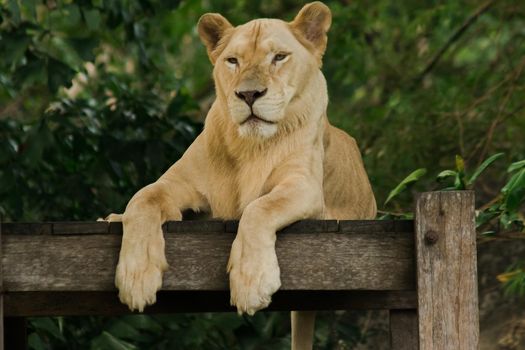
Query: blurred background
(99, 97)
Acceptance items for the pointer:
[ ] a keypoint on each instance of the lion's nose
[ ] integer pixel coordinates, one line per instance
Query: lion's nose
(250, 96)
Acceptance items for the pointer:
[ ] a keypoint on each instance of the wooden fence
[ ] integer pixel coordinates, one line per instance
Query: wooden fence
(423, 271)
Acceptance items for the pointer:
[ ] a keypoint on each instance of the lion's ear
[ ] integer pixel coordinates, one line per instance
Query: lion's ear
(312, 23)
(212, 27)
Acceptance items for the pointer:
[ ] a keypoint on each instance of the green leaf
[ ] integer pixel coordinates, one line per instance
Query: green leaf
(35, 342)
(514, 191)
(108, 341)
(33, 72)
(413, 177)
(84, 47)
(446, 173)
(482, 167)
(13, 47)
(488, 233)
(459, 183)
(484, 217)
(13, 7)
(92, 19)
(122, 329)
(509, 183)
(29, 7)
(58, 74)
(48, 325)
(516, 165)
(143, 322)
(39, 139)
(460, 164)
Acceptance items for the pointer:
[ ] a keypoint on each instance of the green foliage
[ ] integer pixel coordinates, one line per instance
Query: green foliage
(504, 209)
(514, 191)
(514, 280)
(461, 181)
(92, 147)
(100, 97)
(206, 331)
(413, 177)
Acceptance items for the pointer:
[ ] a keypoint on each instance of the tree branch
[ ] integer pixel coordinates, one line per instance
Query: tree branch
(455, 36)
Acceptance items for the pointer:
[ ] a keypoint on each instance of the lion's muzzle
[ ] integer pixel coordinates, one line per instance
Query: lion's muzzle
(250, 96)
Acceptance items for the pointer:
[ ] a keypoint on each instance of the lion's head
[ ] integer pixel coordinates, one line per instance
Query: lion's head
(261, 67)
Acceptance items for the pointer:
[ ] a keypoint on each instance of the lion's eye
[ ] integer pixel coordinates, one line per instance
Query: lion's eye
(279, 57)
(232, 60)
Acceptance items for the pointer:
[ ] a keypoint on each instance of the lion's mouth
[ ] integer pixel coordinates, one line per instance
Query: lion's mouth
(256, 119)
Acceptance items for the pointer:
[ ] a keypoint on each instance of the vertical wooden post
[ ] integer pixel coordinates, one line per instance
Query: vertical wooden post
(403, 330)
(446, 271)
(13, 330)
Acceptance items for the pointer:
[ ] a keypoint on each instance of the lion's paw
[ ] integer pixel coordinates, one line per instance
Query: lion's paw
(138, 279)
(112, 218)
(254, 276)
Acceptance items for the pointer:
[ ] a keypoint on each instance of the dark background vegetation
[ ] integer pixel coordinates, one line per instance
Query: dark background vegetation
(99, 97)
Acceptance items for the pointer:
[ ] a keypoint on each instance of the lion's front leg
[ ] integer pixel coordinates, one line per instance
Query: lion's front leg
(142, 259)
(254, 270)
(253, 266)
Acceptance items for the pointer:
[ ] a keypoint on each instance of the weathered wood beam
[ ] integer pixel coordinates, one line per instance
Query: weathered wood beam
(107, 303)
(210, 226)
(446, 271)
(361, 256)
(68, 268)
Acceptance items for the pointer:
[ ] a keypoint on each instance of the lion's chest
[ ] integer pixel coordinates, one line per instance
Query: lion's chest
(233, 188)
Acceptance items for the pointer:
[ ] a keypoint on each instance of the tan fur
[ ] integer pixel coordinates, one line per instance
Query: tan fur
(269, 174)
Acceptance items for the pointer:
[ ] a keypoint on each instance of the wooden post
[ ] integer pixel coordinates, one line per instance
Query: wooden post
(446, 271)
(13, 330)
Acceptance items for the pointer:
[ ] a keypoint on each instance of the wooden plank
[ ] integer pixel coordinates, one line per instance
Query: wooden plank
(404, 330)
(308, 261)
(205, 226)
(303, 226)
(209, 226)
(107, 303)
(367, 226)
(115, 228)
(446, 271)
(80, 227)
(312, 226)
(27, 228)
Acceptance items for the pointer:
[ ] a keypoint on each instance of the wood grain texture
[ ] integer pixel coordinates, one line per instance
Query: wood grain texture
(446, 271)
(209, 226)
(107, 303)
(366, 226)
(404, 330)
(27, 228)
(67, 268)
(80, 227)
(308, 261)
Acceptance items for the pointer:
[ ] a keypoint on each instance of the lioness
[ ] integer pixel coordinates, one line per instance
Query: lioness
(267, 156)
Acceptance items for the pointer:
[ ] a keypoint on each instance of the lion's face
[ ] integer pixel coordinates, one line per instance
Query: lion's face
(258, 73)
(261, 66)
